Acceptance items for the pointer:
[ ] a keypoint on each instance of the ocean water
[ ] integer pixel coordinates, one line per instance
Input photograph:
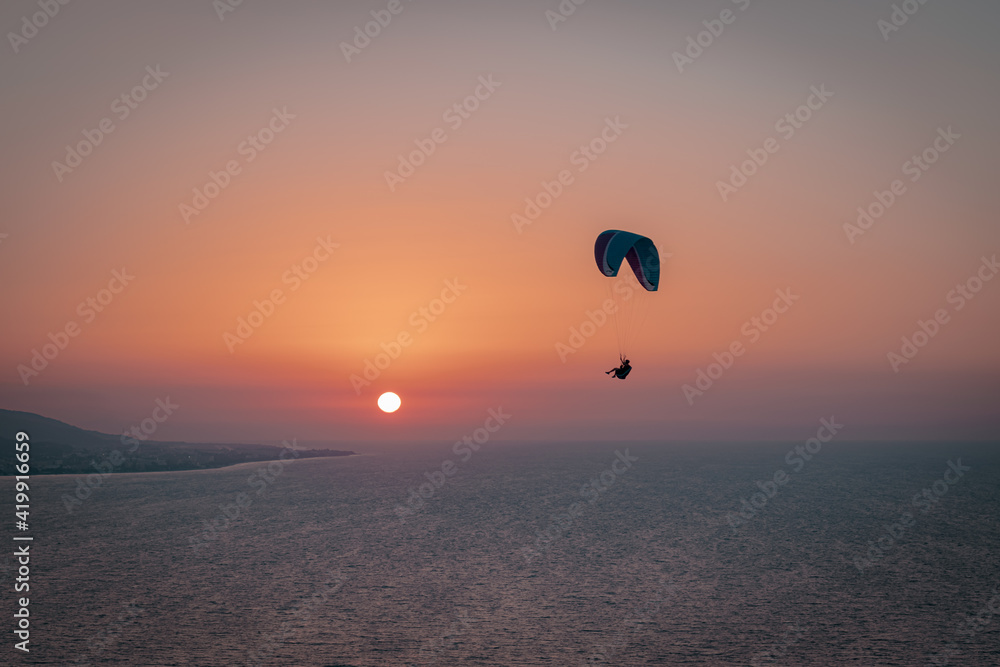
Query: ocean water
(529, 555)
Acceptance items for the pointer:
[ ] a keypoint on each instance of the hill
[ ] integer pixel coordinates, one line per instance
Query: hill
(61, 448)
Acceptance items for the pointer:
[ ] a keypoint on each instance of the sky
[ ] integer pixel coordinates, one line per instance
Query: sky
(183, 163)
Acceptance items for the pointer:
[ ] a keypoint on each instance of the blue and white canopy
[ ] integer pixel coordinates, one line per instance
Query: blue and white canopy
(613, 246)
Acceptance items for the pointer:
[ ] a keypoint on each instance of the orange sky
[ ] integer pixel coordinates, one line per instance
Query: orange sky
(343, 126)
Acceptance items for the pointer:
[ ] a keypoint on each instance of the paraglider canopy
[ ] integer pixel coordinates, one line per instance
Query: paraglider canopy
(613, 246)
(630, 298)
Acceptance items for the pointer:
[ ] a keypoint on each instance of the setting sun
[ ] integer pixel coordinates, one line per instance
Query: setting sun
(389, 402)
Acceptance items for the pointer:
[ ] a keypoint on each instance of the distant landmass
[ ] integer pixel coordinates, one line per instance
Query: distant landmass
(60, 448)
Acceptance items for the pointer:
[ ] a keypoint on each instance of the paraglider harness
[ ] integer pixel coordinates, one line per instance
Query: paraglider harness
(622, 371)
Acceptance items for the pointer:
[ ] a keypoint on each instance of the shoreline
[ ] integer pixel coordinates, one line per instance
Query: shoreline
(93, 471)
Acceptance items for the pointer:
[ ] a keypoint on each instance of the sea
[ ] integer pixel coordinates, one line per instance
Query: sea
(525, 554)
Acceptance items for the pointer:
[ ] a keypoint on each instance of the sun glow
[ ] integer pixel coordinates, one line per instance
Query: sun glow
(389, 402)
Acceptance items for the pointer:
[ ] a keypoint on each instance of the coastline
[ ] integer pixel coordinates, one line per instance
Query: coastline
(117, 470)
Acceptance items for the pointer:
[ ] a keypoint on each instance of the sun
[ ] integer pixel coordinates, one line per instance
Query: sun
(389, 402)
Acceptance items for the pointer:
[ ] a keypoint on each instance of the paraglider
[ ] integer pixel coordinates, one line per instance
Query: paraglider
(611, 248)
(622, 371)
